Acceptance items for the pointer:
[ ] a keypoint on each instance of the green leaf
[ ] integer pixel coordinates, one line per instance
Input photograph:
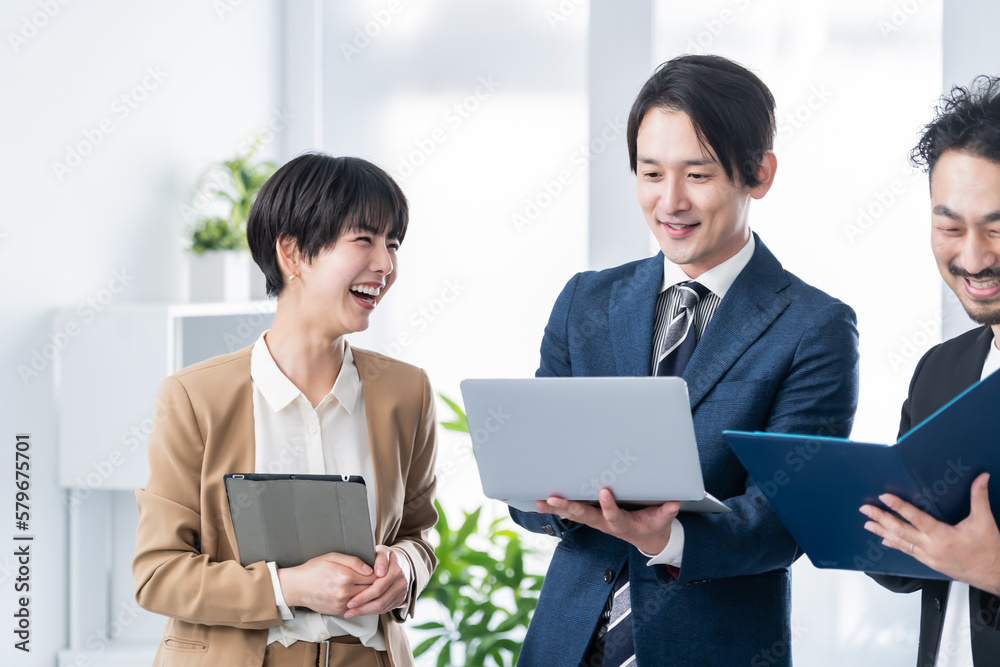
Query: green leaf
(466, 581)
(243, 179)
(483, 650)
(482, 560)
(509, 624)
(444, 657)
(470, 525)
(425, 645)
(460, 423)
(432, 625)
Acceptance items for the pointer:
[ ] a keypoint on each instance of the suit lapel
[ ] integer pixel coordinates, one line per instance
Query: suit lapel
(748, 309)
(240, 457)
(969, 368)
(378, 416)
(631, 317)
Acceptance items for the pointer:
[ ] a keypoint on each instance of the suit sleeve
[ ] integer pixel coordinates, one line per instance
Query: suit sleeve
(419, 514)
(172, 577)
(818, 394)
(555, 362)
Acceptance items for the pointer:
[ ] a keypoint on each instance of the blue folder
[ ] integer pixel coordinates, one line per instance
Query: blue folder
(816, 484)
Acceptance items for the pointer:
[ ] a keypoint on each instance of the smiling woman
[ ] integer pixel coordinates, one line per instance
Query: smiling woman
(325, 232)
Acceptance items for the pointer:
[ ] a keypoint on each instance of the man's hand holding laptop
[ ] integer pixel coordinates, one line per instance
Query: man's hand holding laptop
(647, 529)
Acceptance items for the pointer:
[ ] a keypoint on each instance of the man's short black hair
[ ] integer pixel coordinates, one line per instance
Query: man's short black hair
(314, 199)
(967, 120)
(730, 107)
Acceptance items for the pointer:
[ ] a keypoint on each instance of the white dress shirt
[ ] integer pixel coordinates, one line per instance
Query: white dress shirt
(718, 280)
(291, 436)
(955, 648)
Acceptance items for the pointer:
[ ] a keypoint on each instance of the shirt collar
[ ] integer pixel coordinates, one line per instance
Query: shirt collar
(718, 279)
(279, 391)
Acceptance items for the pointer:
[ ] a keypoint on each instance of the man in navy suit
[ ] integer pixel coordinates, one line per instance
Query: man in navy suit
(772, 354)
(960, 620)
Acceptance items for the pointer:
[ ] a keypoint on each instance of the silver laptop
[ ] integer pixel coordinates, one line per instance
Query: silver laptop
(572, 437)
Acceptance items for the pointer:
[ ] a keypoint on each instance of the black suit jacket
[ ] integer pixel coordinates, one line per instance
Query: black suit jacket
(944, 372)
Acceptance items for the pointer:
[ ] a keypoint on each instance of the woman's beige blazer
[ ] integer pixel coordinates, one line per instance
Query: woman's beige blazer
(186, 565)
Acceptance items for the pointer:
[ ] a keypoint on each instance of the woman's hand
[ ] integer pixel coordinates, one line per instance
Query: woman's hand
(326, 583)
(388, 591)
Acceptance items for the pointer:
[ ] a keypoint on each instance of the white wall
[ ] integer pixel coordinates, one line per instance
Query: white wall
(220, 81)
(968, 52)
(62, 241)
(853, 81)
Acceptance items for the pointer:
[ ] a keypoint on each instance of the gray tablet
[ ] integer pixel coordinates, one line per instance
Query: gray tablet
(573, 436)
(290, 519)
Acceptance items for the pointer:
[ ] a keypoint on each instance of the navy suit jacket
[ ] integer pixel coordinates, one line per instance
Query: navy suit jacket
(778, 355)
(943, 373)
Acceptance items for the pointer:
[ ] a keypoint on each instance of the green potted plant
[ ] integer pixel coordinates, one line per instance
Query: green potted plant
(484, 595)
(221, 268)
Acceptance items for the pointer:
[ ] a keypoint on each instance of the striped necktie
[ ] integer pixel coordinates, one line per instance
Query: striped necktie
(678, 346)
(676, 352)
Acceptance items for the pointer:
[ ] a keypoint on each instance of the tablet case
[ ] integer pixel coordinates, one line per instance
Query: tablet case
(816, 484)
(290, 519)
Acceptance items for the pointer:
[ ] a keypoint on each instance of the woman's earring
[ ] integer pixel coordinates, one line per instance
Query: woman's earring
(292, 277)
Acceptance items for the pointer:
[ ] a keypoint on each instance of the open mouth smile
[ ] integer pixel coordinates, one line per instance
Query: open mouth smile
(679, 230)
(366, 294)
(982, 289)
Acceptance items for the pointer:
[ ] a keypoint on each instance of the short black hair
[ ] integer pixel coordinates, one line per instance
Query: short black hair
(965, 119)
(730, 107)
(314, 199)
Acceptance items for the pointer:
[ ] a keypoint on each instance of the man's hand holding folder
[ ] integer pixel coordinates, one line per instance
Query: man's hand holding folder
(968, 551)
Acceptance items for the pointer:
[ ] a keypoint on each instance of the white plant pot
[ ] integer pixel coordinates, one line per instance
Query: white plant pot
(223, 275)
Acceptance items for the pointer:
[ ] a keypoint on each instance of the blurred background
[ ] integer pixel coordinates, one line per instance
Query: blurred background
(504, 122)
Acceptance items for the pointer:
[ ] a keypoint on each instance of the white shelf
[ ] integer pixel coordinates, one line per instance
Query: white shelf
(107, 371)
(110, 368)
